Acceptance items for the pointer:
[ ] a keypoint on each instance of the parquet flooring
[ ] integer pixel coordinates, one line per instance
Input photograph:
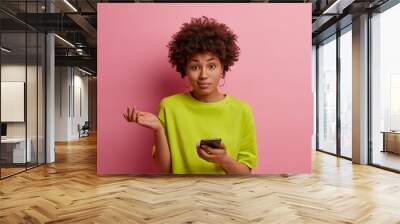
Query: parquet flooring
(10, 171)
(69, 191)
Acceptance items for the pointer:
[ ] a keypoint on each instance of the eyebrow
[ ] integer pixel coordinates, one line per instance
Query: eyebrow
(195, 60)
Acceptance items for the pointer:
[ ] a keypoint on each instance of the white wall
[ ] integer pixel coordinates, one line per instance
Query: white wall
(81, 102)
(71, 93)
(62, 78)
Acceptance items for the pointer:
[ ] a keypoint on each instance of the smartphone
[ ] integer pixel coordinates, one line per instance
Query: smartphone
(212, 142)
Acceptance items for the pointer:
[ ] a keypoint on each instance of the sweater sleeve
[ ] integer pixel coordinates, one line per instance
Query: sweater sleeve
(248, 147)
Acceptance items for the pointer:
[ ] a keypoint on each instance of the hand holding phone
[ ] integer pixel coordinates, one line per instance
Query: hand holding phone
(213, 150)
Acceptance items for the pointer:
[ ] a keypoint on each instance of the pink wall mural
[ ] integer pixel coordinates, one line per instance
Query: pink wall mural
(273, 75)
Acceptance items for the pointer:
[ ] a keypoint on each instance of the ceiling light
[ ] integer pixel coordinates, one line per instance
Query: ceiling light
(70, 5)
(5, 50)
(64, 40)
(337, 7)
(86, 72)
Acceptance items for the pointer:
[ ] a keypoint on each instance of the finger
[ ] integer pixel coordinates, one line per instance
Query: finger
(134, 112)
(128, 115)
(207, 150)
(221, 149)
(137, 115)
(205, 155)
(125, 117)
(198, 147)
(211, 150)
(203, 148)
(201, 153)
(217, 152)
(131, 111)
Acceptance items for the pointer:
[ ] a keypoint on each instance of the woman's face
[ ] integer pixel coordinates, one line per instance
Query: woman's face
(204, 70)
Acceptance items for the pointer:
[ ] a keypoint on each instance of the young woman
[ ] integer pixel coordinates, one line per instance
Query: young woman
(202, 52)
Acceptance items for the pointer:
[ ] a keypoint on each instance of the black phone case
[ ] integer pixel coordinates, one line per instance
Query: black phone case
(213, 143)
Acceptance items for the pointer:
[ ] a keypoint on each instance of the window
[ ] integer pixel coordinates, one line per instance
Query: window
(385, 88)
(22, 65)
(327, 95)
(346, 75)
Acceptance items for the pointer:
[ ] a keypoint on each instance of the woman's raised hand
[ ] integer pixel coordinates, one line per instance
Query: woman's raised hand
(144, 119)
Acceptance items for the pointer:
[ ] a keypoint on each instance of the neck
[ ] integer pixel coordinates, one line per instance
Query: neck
(212, 97)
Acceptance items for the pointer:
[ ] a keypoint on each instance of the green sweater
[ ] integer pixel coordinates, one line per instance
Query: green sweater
(187, 120)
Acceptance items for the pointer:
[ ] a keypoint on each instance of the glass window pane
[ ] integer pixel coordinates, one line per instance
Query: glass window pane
(22, 88)
(327, 96)
(346, 94)
(41, 98)
(31, 100)
(314, 75)
(386, 89)
(13, 86)
(32, 83)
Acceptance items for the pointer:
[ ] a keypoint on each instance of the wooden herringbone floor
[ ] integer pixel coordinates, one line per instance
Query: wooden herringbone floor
(69, 191)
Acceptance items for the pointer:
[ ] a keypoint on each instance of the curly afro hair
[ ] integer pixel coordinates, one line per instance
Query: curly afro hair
(199, 36)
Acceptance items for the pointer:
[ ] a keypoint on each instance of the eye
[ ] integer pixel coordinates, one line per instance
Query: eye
(212, 66)
(194, 67)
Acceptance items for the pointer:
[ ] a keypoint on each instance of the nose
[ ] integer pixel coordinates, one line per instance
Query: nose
(203, 73)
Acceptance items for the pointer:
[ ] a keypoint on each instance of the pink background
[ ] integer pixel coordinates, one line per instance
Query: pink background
(273, 75)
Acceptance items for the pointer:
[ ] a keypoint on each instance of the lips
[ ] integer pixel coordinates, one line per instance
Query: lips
(203, 85)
